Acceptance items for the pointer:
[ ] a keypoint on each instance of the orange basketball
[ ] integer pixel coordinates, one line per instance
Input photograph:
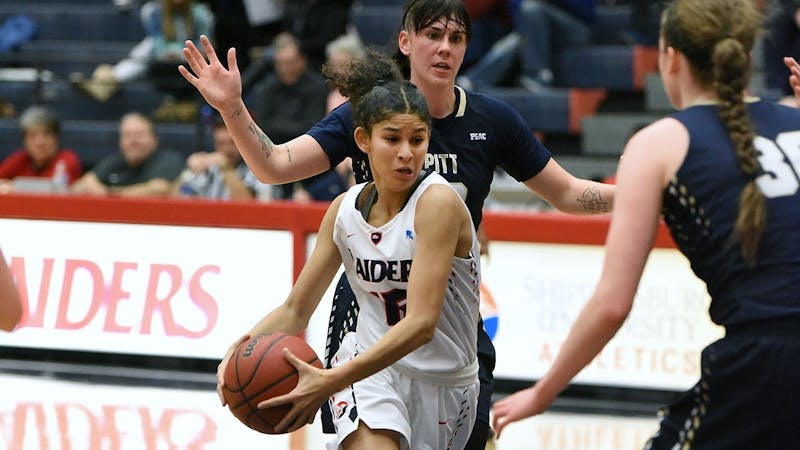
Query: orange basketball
(258, 371)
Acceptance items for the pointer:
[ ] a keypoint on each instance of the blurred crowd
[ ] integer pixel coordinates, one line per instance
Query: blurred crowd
(281, 48)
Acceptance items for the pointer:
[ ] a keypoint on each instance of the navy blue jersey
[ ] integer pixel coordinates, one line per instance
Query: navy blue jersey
(702, 202)
(465, 147)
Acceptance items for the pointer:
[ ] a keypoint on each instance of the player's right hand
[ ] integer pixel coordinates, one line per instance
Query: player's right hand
(220, 87)
(525, 403)
(223, 364)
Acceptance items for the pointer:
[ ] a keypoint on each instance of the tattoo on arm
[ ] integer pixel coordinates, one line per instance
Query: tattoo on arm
(237, 112)
(266, 144)
(592, 201)
(288, 152)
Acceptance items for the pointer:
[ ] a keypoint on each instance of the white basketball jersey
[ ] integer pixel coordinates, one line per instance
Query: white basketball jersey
(377, 262)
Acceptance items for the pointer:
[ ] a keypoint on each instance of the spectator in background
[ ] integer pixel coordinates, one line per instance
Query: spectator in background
(168, 24)
(315, 23)
(782, 38)
(339, 52)
(10, 303)
(293, 98)
(491, 20)
(541, 29)
(41, 155)
(138, 169)
(221, 174)
(289, 102)
(246, 25)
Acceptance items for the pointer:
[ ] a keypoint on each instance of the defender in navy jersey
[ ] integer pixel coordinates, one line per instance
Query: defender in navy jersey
(725, 173)
(434, 38)
(480, 134)
(466, 146)
(700, 208)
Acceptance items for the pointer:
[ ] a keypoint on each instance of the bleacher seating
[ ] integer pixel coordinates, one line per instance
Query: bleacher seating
(77, 35)
(377, 23)
(552, 110)
(66, 20)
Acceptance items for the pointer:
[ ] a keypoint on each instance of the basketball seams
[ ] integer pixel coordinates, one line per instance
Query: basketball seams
(252, 372)
(247, 398)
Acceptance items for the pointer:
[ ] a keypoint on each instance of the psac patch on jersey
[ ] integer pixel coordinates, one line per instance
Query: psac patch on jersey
(376, 237)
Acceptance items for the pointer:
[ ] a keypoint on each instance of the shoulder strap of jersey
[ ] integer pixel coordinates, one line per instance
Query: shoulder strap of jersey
(369, 195)
(366, 200)
(422, 175)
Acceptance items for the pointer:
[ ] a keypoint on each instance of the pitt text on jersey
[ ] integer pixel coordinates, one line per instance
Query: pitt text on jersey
(376, 271)
(443, 163)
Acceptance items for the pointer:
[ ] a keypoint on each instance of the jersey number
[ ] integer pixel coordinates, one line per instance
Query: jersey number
(780, 160)
(394, 302)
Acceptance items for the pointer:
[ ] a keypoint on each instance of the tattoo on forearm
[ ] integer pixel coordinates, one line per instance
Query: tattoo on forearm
(288, 152)
(593, 202)
(237, 112)
(266, 144)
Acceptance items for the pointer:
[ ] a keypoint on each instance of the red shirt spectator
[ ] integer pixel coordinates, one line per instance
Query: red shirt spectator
(20, 164)
(41, 154)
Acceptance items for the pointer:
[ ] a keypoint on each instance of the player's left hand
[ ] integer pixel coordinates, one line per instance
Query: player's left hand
(312, 389)
(525, 403)
(794, 76)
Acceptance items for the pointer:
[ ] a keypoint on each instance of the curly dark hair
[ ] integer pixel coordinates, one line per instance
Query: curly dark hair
(376, 89)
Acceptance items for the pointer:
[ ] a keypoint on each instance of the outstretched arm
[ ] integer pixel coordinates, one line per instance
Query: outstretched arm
(569, 194)
(293, 315)
(222, 88)
(641, 180)
(10, 304)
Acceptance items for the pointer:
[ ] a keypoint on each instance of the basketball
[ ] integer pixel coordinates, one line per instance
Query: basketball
(258, 371)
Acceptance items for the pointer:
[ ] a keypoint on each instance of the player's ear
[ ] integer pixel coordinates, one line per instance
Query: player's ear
(673, 61)
(362, 139)
(403, 42)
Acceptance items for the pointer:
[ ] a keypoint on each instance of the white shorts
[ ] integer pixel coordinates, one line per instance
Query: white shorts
(441, 417)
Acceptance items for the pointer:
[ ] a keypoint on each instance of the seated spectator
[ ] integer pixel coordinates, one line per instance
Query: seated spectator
(324, 187)
(138, 169)
(289, 102)
(247, 25)
(221, 174)
(339, 52)
(315, 23)
(312, 23)
(41, 155)
(491, 20)
(541, 29)
(167, 24)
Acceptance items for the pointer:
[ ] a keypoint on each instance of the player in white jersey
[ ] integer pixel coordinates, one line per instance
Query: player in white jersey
(377, 261)
(411, 255)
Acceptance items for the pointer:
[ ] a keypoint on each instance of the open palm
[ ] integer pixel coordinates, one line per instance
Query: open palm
(221, 87)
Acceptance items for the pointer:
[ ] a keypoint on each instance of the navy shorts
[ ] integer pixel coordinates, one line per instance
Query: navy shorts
(748, 396)
(344, 313)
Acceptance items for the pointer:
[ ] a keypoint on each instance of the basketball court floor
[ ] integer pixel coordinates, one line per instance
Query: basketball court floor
(57, 406)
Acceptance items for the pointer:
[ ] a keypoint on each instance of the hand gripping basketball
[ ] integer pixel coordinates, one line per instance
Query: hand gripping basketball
(257, 371)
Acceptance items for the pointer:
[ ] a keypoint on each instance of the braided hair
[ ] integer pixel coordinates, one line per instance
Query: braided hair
(716, 36)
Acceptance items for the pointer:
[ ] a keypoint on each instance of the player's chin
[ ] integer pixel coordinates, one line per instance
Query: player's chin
(444, 79)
